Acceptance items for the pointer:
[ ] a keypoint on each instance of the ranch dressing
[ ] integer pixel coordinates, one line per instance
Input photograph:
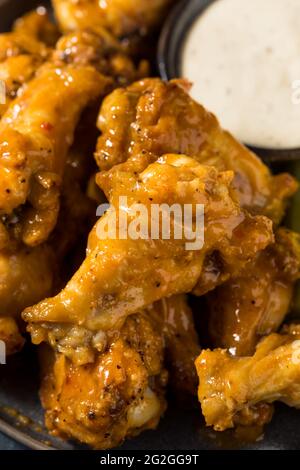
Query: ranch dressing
(243, 57)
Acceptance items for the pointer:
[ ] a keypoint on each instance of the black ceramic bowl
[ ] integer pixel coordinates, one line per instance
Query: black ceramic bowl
(182, 427)
(169, 56)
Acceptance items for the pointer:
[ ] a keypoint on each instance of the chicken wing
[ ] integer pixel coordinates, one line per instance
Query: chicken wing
(232, 388)
(121, 17)
(10, 335)
(117, 396)
(152, 117)
(35, 135)
(256, 303)
(120, 276)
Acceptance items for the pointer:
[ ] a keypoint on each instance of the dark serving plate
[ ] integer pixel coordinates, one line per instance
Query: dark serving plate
(169, 56)
(21, 415)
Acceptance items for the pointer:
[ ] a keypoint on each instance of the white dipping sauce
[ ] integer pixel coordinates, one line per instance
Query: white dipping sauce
(243, 57)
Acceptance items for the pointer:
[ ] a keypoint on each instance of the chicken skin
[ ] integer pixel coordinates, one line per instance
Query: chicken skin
(121, 17)
(15, 72)
(19, 58)
(32, 34)
(256, 303)
(44, 184)
(120, 276)
(152, 117)
(117, 396)
(231, 387)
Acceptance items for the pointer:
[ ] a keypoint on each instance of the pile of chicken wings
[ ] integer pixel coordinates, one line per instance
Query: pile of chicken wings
(82, 124)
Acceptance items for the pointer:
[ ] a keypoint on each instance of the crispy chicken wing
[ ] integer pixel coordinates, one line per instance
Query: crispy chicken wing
(120, 276)
(121, 17)
(35, 135)
(234, 389)
(117, 396)
(152, 117)
(256, 303)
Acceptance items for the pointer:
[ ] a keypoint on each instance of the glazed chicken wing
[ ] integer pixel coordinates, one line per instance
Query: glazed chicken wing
(256, 303)
(121, 17)
(35, 135)
(10, 335)
(117, 396)
(120, 276)
(152, 117)
(232, 388)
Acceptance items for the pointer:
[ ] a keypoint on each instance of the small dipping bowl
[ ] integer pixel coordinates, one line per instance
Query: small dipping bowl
(170, 54)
